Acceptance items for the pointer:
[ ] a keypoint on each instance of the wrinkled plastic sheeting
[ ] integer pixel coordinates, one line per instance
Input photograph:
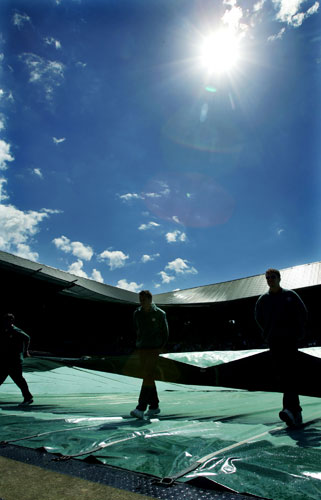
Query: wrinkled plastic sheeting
(214, 358)
(79, 411)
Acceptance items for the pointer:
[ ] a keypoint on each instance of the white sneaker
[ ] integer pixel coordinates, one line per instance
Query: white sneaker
(152, 412)
(137, 413)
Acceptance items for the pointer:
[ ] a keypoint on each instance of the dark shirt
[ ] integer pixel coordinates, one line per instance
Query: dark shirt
(151, 328)
(281, 317)
(14, 344)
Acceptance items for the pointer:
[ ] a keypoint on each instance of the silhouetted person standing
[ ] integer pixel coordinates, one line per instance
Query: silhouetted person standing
(14, 344)
(282, 316)
(152, 333)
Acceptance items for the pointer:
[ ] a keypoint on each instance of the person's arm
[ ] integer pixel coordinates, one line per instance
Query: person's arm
(259, 318)
(164, 331)
(137, 328)
(258, 314)
(135, 322)
(25, 342)
(301, 315)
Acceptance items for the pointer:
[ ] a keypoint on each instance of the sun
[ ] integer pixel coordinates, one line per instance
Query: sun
(220, 51)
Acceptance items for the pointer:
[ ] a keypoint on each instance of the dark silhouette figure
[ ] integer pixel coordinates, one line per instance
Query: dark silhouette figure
(151, 336)
(14, 344)
(282, 316)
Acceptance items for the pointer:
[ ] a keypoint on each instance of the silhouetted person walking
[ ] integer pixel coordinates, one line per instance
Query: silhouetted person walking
(152, 334)
(282, 316)
(14, 344)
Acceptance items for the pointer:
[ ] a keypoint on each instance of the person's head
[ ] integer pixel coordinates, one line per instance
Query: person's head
(273, 278)
(145, 299)
(8, 320)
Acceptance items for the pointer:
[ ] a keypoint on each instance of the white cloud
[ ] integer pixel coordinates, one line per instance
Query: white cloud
(116, 258)
(147, 258)
(51, 211)
(176, 219)
(312, 10)
(258, 6)
(38, 172)
(165, 277)
(130, 196)
(96, 275)
(298, 19)
(175, 236)
(3, 193)
(76, 248)
(165, 190)
(142, 196)
(278, 36)
(150, 225)
(52, 41)
(151, 195)
(76, 268)
(81, 251)
(288, 11)
(5, 155)
(280, 231)
(18, 227)
(132, 286)
(42, 71)
(20, 19)
(25, 252)
(180, 266)
(232, 17)
(58, 141)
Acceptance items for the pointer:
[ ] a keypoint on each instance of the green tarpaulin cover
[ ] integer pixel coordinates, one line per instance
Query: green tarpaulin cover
(250, 450)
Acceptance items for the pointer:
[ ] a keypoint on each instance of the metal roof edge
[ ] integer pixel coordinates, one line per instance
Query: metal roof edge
(68, 279)
(225, 291)
(185, 296)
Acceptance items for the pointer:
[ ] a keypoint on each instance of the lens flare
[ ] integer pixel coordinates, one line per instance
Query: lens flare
(193, 199)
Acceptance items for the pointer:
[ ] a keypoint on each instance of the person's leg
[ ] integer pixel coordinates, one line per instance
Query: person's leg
(153, 398)
(149, 378)
(288, 370)
(291, 401)
(148, 392)
(148, 396)
(289, 374)
(16, 374)
(144, 397)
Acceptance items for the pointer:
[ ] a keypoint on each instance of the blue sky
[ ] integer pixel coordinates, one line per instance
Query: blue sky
(132, 156)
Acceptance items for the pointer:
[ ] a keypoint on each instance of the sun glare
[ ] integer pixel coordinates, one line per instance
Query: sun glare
(220, 51)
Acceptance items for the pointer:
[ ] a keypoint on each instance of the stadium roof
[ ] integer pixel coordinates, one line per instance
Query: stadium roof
(66, 283)
(297, 277)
